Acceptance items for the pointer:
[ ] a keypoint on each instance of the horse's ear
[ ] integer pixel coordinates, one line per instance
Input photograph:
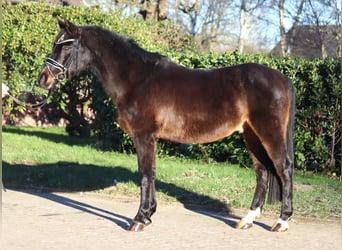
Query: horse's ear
(61, 24)
(70, 28)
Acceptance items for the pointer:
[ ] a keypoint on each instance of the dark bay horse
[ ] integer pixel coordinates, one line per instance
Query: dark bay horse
(156, 98)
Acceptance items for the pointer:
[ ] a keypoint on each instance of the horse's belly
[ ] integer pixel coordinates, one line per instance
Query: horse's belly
(198, 132)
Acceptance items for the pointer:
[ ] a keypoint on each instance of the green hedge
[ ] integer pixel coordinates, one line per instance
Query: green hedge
(28, 31)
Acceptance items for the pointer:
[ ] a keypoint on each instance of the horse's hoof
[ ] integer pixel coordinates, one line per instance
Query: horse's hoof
(136, 226)
(243, 225)
(280, 226)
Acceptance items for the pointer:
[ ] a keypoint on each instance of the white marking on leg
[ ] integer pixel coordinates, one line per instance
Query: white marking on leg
(252, 214)
(283, 223)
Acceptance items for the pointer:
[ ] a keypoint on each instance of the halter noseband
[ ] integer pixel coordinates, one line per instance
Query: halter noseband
(63, 69)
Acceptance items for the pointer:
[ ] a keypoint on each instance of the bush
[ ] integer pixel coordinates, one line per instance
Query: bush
(28, 31)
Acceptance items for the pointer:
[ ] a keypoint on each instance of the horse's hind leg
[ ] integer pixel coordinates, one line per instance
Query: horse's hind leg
(284, 167)
(260, 163)
(145, 146)
(274, 142)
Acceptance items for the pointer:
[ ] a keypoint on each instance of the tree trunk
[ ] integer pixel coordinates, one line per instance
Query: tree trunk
(283, 38)
(153, 10)
(243, 28)
(286, 39)
(147, 10)
(162, 9)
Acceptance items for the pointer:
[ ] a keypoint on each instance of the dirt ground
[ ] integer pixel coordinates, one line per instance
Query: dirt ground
(36, 220)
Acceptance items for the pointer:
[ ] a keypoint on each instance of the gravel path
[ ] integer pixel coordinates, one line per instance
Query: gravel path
(34, 220)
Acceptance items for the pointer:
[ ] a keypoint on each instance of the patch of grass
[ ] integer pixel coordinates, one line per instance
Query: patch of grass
(49, 158)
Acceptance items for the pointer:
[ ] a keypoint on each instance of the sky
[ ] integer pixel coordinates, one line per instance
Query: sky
(267, 31)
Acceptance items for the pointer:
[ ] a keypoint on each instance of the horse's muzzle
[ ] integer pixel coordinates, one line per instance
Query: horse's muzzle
(45, 80)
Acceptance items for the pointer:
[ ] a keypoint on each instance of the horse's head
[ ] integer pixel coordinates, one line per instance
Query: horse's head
(65, 60)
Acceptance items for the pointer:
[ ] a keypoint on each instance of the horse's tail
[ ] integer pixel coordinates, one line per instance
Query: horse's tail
(274, 186)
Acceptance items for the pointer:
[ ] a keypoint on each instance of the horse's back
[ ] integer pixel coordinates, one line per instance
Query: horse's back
(207, 105)
(223, 89)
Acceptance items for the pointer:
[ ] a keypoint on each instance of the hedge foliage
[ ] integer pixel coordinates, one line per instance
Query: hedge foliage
(28, 31)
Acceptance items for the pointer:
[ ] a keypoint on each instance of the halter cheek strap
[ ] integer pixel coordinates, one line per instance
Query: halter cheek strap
(63, 69)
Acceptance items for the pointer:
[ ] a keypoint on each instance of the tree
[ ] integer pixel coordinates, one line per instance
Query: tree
(215, 27)
(190, 9)
(322, 16)
(207, 21)
(325, 17)
(153, 10)
(149, 10)
(283, 34)
(248, 9)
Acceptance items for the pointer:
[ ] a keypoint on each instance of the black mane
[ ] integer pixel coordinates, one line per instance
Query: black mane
(146, 56)
(124, 45)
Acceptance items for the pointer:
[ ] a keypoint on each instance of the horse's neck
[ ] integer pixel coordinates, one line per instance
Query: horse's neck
(113, 85)
(117, 78)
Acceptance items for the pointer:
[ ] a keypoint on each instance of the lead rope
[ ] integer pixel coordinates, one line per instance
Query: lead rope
(60, 77)
(33, 106)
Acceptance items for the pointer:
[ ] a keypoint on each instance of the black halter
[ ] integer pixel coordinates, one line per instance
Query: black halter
(60, 76)
(63, 69)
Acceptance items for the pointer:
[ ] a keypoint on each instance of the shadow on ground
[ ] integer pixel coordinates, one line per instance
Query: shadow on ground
(57, 138)
(73, 177)
(120, 220)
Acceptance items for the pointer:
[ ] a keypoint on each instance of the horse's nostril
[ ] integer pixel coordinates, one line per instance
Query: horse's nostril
(44, 80)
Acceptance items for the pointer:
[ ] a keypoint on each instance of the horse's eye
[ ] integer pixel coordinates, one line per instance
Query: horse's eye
(66, 48)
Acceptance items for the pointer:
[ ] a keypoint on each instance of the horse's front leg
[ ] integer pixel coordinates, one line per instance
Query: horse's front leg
(146, 149)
